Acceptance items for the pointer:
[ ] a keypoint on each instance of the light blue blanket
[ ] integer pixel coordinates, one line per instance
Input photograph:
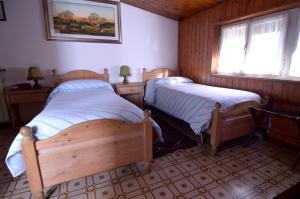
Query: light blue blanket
(190, 102)
(72, 103)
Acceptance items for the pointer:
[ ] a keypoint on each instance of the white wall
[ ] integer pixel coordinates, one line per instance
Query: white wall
(149, 40)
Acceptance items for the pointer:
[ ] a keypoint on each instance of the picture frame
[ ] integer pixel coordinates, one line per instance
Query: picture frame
(2, 12)
(83, 20)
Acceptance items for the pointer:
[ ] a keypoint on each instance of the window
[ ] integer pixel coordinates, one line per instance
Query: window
(232, 54)
(295, 64)
(268, 46)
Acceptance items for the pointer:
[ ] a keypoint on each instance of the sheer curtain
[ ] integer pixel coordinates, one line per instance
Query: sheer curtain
(294, 44)
(232, 48)
(266, 46)
(295, 63)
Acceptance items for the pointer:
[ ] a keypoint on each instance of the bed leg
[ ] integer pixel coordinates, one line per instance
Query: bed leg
(31, 162)
(215, 136)
(148, 166)
(214, 151)
(201, 137)
(39, 195)
(148, 140)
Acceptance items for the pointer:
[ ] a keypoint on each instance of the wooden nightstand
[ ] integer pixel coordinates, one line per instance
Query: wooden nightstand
(133, 92)
(16, 97)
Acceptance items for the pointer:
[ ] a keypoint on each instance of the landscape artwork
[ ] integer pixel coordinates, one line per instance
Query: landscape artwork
(80, 20)
(2, 12)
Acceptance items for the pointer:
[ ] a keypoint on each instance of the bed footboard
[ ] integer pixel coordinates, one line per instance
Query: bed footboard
(230, 124)
(85, 149)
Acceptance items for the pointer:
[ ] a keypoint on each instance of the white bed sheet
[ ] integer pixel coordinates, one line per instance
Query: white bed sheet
(67, 108)
(192, 103)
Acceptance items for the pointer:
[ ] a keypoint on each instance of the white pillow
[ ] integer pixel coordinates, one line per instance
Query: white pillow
(154, 83)
(77, 85)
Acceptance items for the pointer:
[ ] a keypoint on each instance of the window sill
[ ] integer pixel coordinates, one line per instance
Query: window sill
(257, 77)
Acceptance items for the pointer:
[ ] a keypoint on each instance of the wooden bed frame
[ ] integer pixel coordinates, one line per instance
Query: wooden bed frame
(232, 123)
(84, 149)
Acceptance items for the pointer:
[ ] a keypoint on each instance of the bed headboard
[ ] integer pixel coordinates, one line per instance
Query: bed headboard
(78, 74)
(157, 73)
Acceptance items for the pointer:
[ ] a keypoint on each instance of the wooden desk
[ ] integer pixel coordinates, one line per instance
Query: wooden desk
(16, 97)
(265, 113)
(133, 92)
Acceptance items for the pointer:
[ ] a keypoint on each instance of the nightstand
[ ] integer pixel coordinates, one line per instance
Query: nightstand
(16, 97)
(133, 92)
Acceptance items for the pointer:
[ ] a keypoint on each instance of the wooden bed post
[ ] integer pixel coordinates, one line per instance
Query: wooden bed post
(148, 141)
(144, 71)
(31, 162)
(53, 72)
(215, 136)
(54, 77)
(106, 76)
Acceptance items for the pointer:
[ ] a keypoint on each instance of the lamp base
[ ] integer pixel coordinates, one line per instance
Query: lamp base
(36, 84)
(125, 81)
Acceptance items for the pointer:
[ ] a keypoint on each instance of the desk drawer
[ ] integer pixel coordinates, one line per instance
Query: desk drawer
(130, 90)
(27, 98)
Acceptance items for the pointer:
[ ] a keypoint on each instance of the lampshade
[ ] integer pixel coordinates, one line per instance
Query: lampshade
(124, 71)
(34, 73)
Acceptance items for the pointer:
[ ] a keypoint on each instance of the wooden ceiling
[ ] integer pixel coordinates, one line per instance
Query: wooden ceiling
(175, 9)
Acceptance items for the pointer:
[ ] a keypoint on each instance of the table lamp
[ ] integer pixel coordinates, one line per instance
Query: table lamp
(35, 74)
(124, 72)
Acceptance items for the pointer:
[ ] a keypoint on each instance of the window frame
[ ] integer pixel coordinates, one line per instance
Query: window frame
(248, 20)
(221, 39)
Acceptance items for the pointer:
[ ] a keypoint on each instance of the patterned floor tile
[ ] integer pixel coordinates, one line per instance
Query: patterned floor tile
(163, 193)
(259, 171)
(219, 172)
(254, 178)
(203, 178)
(184, 186)
(152, 178)
(221, 193)
(130, 185)
(171, 171)
(239, 187)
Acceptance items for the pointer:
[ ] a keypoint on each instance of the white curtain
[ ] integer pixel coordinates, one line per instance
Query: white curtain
(295, 63)
(266, 46)
(232, 48)
(294, 45)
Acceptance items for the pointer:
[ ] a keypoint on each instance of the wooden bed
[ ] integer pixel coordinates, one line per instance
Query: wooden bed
(232, 123)
(84, 149)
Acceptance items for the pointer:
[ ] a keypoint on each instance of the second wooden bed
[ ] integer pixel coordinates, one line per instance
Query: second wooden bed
(84, 149)
(232, 123)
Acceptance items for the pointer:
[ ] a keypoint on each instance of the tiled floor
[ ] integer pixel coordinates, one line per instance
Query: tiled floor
(260, 171)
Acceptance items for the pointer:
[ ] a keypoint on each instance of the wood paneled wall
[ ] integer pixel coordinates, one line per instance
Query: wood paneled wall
(196, 42)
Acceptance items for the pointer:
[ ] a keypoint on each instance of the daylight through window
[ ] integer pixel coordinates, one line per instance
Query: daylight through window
(268, 46)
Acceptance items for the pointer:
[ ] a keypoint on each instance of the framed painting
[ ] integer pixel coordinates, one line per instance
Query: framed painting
(83, 20)
(2, 12)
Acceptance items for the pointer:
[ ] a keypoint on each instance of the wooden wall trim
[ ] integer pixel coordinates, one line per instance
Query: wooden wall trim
(252, 77)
